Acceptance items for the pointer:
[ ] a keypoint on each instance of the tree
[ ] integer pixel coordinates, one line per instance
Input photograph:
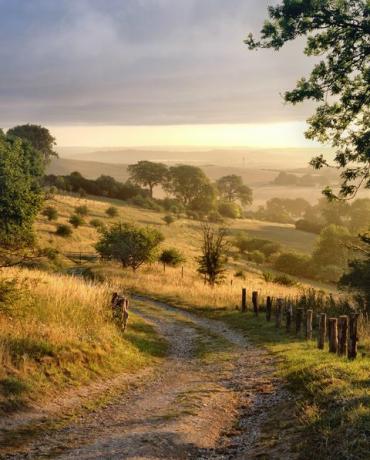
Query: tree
(131, 245)
(190, 186)
(76, 220)
(38, 136)
(148, 174)
(50, 213)
(231, 188)
(339, 32)
(212, 262)
(227, 209)
(331, 248)
(171, 257)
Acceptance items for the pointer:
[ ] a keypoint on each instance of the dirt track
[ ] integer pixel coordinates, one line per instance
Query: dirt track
(216, 397)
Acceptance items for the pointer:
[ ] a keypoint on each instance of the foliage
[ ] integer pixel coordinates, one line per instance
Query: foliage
(331, 248)
(131, 245)
(111, 211)
(215, 217)
(266, 247)
(64, 230)
(231, 189)
(212, 262)
(76, 220)
(97, 223)
(294, 264)
(50, 213)
(257, 256)
(21, 168)
(229, 209)
(38, 136)
(308, 226)
(338, 32)
(172, 257)
(284, 280)
(148, 174)
(169, 219)
(82, 210)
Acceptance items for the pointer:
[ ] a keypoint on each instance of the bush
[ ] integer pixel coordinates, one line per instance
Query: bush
(285, 280)
(97, 223)
(331, 273)
(257, 256)
(50, 213)
(145, 202)
(111, 211)
(76, 220)
(240, 274)
(308, 226)
(294, 264)
(231, 210)
(168, 219)
(64, 230)
(82, 210)
(172, 257)
(267, 247)
(268, 277)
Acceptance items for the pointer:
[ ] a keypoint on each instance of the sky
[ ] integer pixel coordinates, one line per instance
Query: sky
(147, 72)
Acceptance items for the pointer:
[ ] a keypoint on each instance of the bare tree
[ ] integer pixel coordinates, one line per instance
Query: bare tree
(213, 259)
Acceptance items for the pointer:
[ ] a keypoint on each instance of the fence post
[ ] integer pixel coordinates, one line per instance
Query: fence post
(255, 302)
(298, 320)
(288, 317)
(244, 299)
(182, 271)
(268, 308)
(322, 331)
(278, 308)
(352, 336)
(342, 334)
(309, 315)
(333, 335)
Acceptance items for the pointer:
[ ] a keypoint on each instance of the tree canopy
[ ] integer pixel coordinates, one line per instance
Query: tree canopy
(147, 174)
(338, 31)
(38, 136)
(232, 188)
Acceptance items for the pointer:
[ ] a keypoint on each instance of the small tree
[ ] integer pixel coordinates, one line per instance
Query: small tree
(111, 211)
(131, 245)
(171, 257)
(213, 259)
(50, 213)
(82, 210)
(231, 189)
(169, 219)
(76, 220)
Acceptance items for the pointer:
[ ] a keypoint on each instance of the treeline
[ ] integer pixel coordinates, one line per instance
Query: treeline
(189, 190)
(354, 216)
(303, 180)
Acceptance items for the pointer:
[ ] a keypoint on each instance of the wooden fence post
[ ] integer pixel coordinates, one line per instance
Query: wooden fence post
(244, 299)
(268, 308)
(278, 308)
(352, 336)
(255, 302)
(288, 317)
(309, 315)
(342, 335)
(298, 320)
(333, 335)
(322, 331)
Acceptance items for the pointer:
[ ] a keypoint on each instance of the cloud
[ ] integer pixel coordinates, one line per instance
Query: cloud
(141, 62)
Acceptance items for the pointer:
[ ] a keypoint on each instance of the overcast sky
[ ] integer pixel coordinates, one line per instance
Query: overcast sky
(141, 62)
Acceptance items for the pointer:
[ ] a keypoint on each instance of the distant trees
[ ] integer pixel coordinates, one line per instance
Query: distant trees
(331, 248)
(129, 244)
(213, 259)
(38, 136)
(148, 174)
(231, 188)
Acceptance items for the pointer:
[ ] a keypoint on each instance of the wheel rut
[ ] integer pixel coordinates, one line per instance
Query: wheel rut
(215, 397)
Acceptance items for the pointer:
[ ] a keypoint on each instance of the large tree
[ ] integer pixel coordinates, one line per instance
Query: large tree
(338, 31)
(38, 136)
(232, 188)
(148, 174)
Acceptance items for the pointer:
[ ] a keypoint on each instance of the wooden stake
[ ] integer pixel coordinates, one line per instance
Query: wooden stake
(288, 317)
(255, 302)
(268, 308)
(244, 299)
(322, 331)
(298, 320)
(342, 335)
(309, 315)
(278, 309)
(333, 335)
(352, 336)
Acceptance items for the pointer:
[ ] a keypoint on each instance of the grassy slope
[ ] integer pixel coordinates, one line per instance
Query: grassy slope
(56, 332)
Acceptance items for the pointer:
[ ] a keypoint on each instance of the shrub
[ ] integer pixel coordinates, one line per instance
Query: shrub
(172, 257)
(82, 210)
(145, 202)
(50, 213)
(168, 219)
(240, 274)
(285, 280)
(111, 211)
(307, 226)
(76, 220)
(294, 264)
(97, 223)
(257, 256)
(227, 209)
(268, 277)
(64, 230)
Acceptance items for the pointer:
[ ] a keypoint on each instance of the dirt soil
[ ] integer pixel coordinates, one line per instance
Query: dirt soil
(215, 397)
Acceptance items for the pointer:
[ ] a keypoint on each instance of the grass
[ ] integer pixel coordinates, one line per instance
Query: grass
(56, 332)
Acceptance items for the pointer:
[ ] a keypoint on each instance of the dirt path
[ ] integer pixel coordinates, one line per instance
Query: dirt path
(215, 397)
